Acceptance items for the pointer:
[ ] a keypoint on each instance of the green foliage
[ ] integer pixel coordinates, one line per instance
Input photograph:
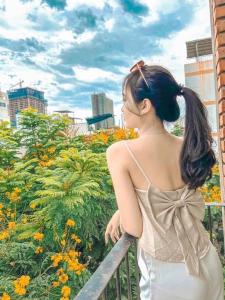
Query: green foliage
(53, 181)
(177, 130)
(8, 146)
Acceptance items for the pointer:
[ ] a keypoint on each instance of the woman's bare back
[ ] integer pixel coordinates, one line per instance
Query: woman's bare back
(159, 158)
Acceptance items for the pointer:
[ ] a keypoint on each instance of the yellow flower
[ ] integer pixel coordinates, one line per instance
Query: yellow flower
(17, 190)
(51, 149)
(60, 271)
(73, 254)
(65, 156)
(24, 280)
(65, 291)
(63, 242)
(70, 223)
(39, 250)
(75, 238)
(20, 284)
(46, 163)
(55, 283)
(1, 205)
(32, 205)
(102, 137)
(11, 225)
(5, 296)
(38, 236)
(44, 157)
(13, 196)
(56, 259)
(20, 291)
(119, 134)
(4, 235)
(63, 278)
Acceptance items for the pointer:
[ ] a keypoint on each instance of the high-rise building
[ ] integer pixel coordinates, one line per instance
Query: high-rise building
(4, 107)
(102, 105)
(199, 76)
(24, 97)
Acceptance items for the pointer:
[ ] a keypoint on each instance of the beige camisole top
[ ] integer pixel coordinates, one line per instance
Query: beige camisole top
(172, 224)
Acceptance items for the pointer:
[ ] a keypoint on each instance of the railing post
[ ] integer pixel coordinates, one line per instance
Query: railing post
(118, 287)
(128, 278)
(137, 271)
(210, 222)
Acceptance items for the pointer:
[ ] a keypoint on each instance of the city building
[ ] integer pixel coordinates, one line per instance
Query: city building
(199, 75)
(102, 105)
(4, 107)
(21, 98)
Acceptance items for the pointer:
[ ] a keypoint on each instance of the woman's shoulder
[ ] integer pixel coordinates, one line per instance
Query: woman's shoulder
(115, 147)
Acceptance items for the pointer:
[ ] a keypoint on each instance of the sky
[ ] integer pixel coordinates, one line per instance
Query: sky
(72, 48)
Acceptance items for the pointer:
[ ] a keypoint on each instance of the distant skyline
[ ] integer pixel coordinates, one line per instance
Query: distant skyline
(72, 48)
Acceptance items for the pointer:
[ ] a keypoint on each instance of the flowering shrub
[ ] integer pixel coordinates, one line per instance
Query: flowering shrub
(50, 245)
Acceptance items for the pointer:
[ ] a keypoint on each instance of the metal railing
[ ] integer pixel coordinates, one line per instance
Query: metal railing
(109, 269)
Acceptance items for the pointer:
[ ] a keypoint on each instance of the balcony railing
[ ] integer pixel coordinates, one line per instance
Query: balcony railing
(109, 269)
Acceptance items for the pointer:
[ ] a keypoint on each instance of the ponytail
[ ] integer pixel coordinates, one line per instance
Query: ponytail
(197, 156)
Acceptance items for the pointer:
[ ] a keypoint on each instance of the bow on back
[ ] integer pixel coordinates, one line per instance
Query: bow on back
(181, 213)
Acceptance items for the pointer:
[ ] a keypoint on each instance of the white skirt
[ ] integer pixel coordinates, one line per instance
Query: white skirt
(162, 280)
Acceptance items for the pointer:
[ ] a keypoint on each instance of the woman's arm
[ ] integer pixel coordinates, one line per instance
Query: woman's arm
(130, 213)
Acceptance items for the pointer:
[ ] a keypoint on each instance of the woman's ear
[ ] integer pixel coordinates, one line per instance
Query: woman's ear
(145, 105)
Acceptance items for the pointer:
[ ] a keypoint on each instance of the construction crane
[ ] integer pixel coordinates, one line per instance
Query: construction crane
(18, 83)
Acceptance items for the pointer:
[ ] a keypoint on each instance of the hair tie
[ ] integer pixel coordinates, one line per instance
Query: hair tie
(181, 90)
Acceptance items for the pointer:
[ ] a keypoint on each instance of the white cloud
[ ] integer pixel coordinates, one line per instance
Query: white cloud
(72, 4)
(86, 36)
(162, 6)
(18, 25)
(158, 8)
(18, 13)
(15, 17)
(66, 86)
(109, 24)
(94, 74)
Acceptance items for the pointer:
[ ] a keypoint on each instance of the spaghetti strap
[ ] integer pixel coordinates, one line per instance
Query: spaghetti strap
(137, 163)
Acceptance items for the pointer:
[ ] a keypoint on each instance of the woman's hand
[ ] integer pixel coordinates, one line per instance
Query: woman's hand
(112, 228)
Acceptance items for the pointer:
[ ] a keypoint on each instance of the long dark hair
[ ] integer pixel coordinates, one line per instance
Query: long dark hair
(197, 156)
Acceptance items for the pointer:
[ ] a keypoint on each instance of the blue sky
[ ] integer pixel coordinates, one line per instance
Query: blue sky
(72, 48)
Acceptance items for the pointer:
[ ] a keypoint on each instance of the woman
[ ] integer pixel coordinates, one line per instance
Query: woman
(155, 179)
